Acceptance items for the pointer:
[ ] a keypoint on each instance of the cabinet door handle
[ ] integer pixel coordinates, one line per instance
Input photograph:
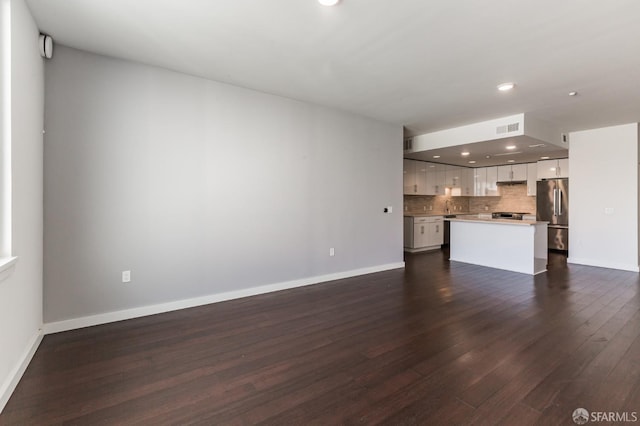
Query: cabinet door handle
(415, 188)
(437, 228)
(511, 175)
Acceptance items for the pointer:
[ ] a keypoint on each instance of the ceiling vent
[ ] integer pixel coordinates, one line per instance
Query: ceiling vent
(408, 144)
(507, 128)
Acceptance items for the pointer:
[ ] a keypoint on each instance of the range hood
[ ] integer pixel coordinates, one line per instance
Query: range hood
(537, 138)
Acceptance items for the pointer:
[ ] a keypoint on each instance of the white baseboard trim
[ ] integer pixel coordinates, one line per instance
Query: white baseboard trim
(75, 323)
(16, 373)
(600, 264)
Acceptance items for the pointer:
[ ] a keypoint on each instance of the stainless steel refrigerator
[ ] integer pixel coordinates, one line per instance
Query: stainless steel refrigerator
(552, 205)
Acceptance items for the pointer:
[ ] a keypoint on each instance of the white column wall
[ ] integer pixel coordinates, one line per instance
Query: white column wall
(603, 210)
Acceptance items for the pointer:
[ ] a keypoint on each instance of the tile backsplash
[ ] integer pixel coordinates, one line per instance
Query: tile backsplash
(513, 198)
(435, 203)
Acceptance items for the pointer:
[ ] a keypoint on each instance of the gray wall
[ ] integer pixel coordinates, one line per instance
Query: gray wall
(21, 290)
(200, 188)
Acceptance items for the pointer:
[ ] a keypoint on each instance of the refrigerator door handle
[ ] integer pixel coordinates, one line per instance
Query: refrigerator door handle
(555, 198)
(560, 203)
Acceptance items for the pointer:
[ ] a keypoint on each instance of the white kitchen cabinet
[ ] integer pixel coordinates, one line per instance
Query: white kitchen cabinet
(421, 177)
(563, 168)
(479, 181)
(486, 181)
(550, 169)
(423, 233)
(436, 232)
(504, 173)
(420, 234)
(409, 177)
(415, 177)
(532, 174)
(452, 176)
(436, 179)
(462, 182)
(492, 181)
(467, 182)
(512, 173)
(519, 172)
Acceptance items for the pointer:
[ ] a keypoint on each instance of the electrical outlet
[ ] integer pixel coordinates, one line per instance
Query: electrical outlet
(126, 276)
(332, 252)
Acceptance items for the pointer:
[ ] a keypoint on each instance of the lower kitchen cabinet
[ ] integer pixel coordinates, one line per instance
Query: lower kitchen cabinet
(423, 233)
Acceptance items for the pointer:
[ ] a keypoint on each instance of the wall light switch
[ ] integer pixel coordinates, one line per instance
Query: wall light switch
(126, 276)
(332, 251)
(608, 210)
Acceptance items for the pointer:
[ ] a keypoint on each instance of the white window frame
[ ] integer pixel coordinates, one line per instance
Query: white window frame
(7, 260)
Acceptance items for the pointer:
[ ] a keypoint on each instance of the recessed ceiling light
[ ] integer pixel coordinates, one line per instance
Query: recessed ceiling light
(472, 162)
(436, 156)
(573, 93)
(487, 156)
(511, 147)
(464, 154)
(328, 2)
(505, 87)
(511, 161)
(544, 158)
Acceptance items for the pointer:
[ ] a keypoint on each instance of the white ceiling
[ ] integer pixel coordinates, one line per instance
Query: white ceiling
(427, 65)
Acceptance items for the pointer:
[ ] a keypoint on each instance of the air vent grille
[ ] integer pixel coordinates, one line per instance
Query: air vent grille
(408, 144)
(508, 128)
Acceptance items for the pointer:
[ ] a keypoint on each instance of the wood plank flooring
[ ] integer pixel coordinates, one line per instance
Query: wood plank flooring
(436, 343)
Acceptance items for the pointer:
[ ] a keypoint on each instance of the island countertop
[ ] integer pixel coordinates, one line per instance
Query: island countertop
(472, 218)
(513, 245)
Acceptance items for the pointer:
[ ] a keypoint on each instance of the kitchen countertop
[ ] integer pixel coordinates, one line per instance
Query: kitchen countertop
(432, 214)
(496, 221)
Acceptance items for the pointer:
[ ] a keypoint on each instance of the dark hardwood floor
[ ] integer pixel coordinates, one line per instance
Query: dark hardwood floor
(436, 343)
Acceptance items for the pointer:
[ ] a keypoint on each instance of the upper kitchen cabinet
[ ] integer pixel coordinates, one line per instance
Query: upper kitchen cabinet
(452, 176)
(421, 177)
(486, 181)
(436, 178)
(492, 181)
(467, 182)
(409, 177)
(532, 174)
(512, 173)
(415, 177)
(550, 169)
(460, 181)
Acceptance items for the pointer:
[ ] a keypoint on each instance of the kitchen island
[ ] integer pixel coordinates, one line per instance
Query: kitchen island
(513, 245)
